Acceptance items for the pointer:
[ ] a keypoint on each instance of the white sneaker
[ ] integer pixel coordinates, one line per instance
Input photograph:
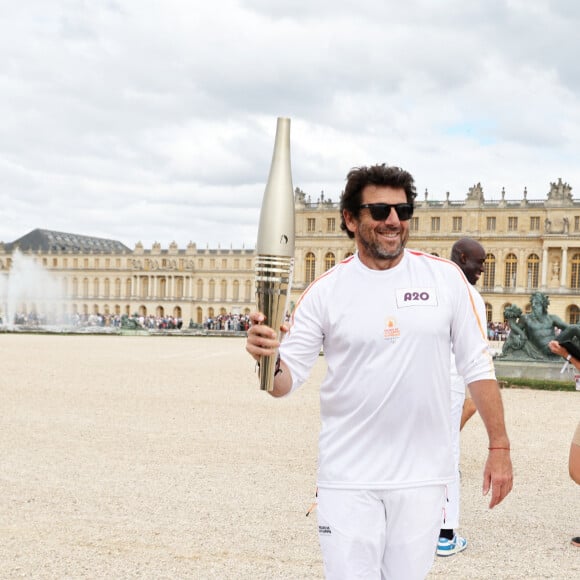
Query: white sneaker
(447, 547)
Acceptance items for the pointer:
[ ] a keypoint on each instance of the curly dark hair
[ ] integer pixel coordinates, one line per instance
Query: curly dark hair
(383, 175)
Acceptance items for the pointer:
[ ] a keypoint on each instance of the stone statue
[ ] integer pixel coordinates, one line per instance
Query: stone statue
(299, 195)
(517, 337)
(129, 323)
(475, 193)
(565, 225)
(560, 191)
(530, 333)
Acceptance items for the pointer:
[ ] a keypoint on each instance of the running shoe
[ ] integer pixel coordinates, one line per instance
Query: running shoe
(447, 547)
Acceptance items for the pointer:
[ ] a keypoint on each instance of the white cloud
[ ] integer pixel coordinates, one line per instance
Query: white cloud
(155, 121)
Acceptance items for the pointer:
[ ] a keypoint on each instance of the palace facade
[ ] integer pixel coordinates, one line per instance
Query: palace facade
(531, 245)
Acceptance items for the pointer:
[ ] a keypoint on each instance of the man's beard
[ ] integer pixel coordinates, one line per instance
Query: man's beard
(374, 249)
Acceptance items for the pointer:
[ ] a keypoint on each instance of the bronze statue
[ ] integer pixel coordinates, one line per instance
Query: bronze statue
(129, 323)
(530, 333)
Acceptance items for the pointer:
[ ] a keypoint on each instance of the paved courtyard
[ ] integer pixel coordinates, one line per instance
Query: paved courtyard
(158, 457)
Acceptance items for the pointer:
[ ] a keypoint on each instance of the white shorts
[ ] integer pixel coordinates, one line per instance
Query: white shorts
(387, 534)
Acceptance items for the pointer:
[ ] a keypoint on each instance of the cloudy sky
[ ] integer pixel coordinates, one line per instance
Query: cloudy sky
(154, 120)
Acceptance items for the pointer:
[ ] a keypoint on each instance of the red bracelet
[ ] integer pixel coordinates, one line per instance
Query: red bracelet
(494, 448)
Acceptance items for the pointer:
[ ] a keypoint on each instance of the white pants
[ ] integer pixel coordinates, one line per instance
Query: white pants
(451, 512)
(379, 535)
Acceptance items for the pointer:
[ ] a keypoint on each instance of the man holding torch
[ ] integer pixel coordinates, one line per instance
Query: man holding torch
(386, 318)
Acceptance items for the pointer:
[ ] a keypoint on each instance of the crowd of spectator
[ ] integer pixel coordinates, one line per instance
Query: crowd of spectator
(227, 322)
(497, 331)
(32, 319)
(231, 322)
(119, 321)
(102, 320)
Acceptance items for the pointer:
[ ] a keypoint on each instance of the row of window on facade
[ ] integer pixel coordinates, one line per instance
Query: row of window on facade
(513, 224)
(49, 311)
(118, 310)
(160, 290)
(311, 225)
(510, 276)
(532, 271)
(147, 264)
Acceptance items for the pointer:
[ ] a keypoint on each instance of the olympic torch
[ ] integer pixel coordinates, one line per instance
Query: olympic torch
(275, 247)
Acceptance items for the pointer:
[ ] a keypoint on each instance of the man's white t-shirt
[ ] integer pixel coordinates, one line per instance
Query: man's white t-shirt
(384, 401)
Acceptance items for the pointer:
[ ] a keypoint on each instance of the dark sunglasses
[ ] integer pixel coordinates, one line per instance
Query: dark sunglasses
(381, 211)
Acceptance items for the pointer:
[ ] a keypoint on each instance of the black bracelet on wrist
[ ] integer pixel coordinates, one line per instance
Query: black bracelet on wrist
(277, 369)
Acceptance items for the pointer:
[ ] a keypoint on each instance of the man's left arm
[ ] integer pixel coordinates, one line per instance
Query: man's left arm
(497, 474)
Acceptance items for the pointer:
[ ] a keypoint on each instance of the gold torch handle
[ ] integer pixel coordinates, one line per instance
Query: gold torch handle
(273, 281)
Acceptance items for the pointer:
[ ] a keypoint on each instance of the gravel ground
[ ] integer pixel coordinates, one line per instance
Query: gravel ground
(158, 457)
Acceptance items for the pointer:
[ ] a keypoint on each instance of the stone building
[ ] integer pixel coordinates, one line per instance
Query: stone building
(100, 276)
(531, 245)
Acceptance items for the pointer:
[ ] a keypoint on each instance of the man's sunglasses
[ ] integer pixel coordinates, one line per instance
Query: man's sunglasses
(381, 211)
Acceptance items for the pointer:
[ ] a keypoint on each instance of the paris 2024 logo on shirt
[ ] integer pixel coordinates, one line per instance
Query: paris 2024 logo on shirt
(392, 331)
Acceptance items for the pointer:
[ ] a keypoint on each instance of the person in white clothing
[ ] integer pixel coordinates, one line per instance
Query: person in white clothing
(470, 256)
(385, 318)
